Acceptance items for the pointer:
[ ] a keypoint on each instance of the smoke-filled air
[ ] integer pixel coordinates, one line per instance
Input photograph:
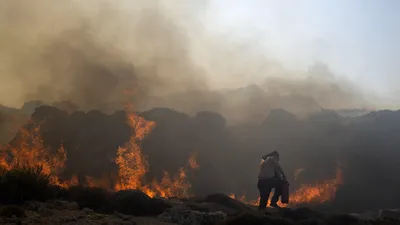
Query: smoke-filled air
(153, 96)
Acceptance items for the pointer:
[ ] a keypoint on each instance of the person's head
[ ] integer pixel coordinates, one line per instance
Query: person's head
(274, 154)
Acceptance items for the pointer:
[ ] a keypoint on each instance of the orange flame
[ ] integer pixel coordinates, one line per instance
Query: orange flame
(30, 152)
(69, 183)
(130, 160)
(177, 186)
(193, 162)
(242, 198)
(133, 165)
(317, 193)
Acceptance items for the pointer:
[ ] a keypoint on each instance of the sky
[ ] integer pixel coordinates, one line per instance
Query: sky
(358, 39)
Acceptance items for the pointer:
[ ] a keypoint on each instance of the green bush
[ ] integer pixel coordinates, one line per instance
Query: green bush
(23, 184)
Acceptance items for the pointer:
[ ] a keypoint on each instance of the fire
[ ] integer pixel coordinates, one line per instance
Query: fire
(130, 160)
(192, 162)
(242, 198)
(317, 193)
(178, 186)
(133, 165)
(69, 183)
(30, 152)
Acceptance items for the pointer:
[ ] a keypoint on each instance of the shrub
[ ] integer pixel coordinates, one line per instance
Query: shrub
(12, 210)
(137, 203)
(59, 192)
(23, 184)
(94, 198)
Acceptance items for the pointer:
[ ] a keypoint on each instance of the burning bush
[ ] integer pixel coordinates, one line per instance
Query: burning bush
(126, 167)
(30, 151)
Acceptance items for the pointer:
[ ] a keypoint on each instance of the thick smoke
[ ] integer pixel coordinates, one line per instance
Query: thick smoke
(91, 53)
(89, 59)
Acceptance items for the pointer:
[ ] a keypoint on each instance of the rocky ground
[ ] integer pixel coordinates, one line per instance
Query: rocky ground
(61, 212)
(214, 209)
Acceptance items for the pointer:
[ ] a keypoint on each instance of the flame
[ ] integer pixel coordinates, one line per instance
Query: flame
(133, 165)
(242, 198)
(177, 186)
(319, 193)
(68, 183)
(306, 194)
(193, 162)
(130, 160)
(30, 152)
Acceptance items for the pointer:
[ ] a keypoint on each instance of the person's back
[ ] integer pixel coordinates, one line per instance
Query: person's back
(268, 168)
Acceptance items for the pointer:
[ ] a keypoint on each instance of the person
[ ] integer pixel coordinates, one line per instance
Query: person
(271, 176)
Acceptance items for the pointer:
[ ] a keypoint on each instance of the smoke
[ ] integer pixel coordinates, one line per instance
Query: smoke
(85, 56)
(91, 52)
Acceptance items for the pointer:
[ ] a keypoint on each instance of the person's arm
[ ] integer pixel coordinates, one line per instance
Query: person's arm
(279, 168)
(262, 163)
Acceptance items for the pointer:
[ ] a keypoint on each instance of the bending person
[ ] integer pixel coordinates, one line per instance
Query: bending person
(271, 176)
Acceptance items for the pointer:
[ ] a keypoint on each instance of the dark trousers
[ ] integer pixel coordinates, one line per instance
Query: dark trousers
(265, 187)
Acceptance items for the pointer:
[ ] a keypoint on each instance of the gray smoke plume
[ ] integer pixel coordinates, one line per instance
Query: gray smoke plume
(92, 53)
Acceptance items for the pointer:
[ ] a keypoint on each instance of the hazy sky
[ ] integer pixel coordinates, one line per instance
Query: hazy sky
(358, 39)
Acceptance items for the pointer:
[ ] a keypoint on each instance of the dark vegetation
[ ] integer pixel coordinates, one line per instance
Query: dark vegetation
(136, 203)
(24, 184)
(20, 185)
(12, 210)
(89, 197)
(365, 146)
